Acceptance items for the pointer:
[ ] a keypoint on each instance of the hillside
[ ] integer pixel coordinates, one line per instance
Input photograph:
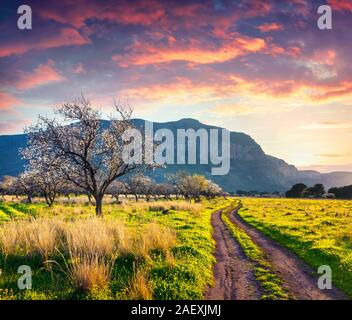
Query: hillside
(251, 168)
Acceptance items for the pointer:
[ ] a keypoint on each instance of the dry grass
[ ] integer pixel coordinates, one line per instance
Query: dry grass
(151, 236)
(159, 237)
(89, 271)
(140, 288)
(39, 236)
(89, 246)
(97, 236)
(11, 238)
(43, 236)
(94, 236)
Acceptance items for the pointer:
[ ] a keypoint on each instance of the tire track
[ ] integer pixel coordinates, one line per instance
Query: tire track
(233, 273)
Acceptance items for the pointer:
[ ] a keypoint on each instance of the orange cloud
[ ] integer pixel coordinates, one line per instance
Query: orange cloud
(267, 27)
(144, 54)
(65, 37)
(7, 101)
(276, 51)
(180, 89)
(341, 90)
(42, 75)
(186, 90)
(294, 51)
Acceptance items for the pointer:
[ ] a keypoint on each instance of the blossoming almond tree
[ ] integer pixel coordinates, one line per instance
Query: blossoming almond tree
(88, 153)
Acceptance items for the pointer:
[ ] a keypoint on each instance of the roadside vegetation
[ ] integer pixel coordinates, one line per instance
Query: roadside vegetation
(318, 231)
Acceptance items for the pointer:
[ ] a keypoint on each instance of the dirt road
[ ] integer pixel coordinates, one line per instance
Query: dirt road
(233, 272)
(234, 278)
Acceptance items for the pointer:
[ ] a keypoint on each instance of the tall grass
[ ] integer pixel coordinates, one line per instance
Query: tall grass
(152, 236)
(25, 237)
(140, 287)
(86, 248)
(89, 271)
(94, 236)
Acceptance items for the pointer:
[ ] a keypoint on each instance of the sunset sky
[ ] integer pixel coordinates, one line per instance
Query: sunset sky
(259, 67)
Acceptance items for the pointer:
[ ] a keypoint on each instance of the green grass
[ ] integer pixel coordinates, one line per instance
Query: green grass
(318, 231)
(12, 212)
(183, 276)
(263, 271)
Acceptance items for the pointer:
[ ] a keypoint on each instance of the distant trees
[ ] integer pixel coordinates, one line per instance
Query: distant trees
(43, 177)
(141, 185)
(317, 191)
(165, 190)
(197, 185)
(116, 189)
(146, 186)
(296, 191)
(212, 189)
(253, 193)
(300, 190)
(194, 186)
(7, 185)
(342, 192)
(48, 184)
(133, 185)
(25, 185)
(86, 154)
(189, 186)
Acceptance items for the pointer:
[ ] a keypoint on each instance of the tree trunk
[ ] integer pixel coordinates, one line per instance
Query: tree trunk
(46, 199)
(99, 206)
(136, 196)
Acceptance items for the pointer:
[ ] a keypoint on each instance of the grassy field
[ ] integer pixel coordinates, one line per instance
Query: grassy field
(156, 250)
(160, 249)
(319, 231)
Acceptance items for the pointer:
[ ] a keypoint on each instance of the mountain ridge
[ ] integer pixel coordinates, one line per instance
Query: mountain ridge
(250, 169)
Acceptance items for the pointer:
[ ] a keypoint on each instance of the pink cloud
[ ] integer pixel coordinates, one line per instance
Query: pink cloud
(7, 101)
(79, 68)
(42, 75)
(327, 57)
(294, 51)
(267, 27)
(65, 37)
(141, 12)
(13, 126)
(341, 5)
